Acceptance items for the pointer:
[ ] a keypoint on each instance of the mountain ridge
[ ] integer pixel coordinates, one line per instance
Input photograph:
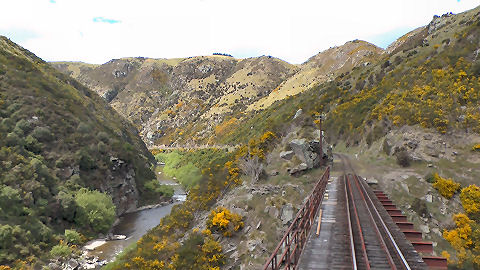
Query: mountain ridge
(149, 92)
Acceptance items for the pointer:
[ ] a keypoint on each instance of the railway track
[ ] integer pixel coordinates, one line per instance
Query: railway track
(358, 230)
(372, 245)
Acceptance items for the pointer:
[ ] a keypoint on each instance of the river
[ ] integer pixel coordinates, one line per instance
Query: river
(135, 225)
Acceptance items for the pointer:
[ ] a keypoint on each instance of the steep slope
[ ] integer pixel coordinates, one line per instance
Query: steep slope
(161, 96)
(322, 67)
(56, 137)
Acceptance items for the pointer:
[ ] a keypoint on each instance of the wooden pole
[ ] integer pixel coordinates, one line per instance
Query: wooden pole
(319, 221)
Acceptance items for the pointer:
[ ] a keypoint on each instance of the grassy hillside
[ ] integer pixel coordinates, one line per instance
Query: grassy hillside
(431, 80)
(57, 137)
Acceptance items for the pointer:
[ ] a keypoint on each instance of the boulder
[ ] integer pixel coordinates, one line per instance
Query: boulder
(429, 198)
(287, 155)
(371, 181)
(252, 244)
(299, 168)
(72, 264)
(273, 212)
(298, 113)
(424, 229)
(54, 266)
(287, 213)
(273, 173)
(307, 152)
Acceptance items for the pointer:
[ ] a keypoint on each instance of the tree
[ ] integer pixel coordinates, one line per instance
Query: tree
(251, 166)
(95, 210)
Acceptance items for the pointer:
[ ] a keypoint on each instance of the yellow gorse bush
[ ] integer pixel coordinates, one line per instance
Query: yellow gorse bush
(470, 197)
(223, 220)
(446, 187)
(476, 147)
(461, 237)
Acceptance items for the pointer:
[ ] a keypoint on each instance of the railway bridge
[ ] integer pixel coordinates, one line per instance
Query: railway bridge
(345, 224)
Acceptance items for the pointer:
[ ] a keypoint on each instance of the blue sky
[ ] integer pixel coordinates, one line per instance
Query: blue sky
(105, 20)
(384, 39)
(96, 31)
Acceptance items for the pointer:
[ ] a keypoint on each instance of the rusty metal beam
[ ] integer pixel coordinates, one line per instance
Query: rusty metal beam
(295, 237)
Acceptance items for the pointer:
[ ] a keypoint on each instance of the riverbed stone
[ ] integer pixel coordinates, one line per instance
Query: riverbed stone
(54, 266)
(72, 264)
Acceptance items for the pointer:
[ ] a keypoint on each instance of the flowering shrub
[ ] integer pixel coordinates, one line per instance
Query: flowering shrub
(464, 237)
(476, 147)
(223, 220)
(470, 197)
(446, 187)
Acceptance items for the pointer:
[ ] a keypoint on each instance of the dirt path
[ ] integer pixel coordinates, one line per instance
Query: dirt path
(194, 147)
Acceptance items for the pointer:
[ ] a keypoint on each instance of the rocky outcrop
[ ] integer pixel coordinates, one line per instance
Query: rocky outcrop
(308, 152)
(421, 145)
(121, 186)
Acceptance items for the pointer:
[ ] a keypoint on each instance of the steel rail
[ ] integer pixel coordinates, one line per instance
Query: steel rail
(375, 226)
(295, 237)
(385, 227)
(359, 226)
(366, 196)
(352, 244)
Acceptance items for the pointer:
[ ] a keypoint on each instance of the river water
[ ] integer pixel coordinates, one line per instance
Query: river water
(135, 225)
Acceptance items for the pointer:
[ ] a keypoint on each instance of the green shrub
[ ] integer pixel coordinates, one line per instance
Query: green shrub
(8, 124)
(156, 187)
(102, 147)
(420, 206)
(10, 200)
(68, 205)
(32, 144)
(7, 234)
(61, 250)
(83, 128)
(43, 134)
(73, 237)
(188, 175)
(12, 139)
(176, 165)
(95, 210)
(24, 125)
(403, 159)
(85, 161)
(103, 136)
(430, 178)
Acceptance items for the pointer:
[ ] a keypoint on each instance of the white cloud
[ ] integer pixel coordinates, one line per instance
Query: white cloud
(290, 30)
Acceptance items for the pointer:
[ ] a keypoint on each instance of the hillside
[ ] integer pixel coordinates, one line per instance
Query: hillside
(57, 138)
(324, 66)
(410, 117)
(167, 98)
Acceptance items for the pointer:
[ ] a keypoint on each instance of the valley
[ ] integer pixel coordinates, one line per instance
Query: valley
(246, 140)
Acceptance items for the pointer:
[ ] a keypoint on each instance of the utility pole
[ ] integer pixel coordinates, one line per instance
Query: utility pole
(319, 118)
